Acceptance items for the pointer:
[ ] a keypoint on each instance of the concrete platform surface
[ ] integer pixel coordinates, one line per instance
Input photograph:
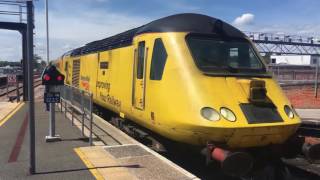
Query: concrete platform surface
(123, 157)
(309, 114)
(6, 108)
(130, 162)
(56, 160)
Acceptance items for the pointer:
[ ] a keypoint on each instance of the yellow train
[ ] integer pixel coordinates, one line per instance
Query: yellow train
(188, 77)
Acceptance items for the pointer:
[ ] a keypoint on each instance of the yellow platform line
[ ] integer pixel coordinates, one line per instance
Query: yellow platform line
(11, 113)
(89, 165)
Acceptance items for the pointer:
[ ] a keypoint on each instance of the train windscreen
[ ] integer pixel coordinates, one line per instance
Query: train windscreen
(224, 55)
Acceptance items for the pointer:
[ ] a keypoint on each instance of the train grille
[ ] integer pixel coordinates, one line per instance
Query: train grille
(75, 72)
(260, 114)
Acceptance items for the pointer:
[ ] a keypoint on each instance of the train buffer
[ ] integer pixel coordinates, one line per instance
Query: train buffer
(114, 157)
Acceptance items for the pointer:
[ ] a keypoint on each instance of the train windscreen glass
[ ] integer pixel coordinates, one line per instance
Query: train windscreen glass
(224, 55)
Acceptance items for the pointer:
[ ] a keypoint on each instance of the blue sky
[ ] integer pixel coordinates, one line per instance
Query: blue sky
(76, 22)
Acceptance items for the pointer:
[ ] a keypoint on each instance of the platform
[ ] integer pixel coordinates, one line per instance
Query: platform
(53, 160)
(115, 156)
(118, 156)
(309, 114)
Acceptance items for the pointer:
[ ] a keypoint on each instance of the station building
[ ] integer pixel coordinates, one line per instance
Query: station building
(294, 59)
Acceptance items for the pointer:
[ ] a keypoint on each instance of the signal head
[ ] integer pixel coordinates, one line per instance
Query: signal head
(51, 76)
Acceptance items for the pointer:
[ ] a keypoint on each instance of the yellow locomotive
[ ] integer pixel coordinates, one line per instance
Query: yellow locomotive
(188, 77)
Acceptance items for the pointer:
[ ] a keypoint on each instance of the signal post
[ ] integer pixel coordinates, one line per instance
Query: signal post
(52, 78)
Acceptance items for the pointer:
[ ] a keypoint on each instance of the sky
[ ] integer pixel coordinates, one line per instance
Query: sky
(74, 23)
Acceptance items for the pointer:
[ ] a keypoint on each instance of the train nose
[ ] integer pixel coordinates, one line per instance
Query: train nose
(235, 164)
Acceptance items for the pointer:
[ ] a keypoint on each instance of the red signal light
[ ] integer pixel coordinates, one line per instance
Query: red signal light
(59, 78)
(46, 77)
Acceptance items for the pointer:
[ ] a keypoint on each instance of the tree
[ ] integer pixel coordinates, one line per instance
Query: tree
(9, 63)
(43, 63)
(37, 61)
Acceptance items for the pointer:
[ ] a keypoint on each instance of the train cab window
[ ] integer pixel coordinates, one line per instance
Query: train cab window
(159, 58)
(140, 65)
(224, 55)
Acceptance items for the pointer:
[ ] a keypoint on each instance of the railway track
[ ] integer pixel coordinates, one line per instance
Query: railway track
(12, 91)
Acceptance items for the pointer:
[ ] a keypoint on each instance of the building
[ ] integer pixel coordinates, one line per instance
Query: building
(294, 59)
(10, 70)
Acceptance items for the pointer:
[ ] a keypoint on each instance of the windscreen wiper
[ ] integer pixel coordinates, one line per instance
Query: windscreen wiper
(230, 69)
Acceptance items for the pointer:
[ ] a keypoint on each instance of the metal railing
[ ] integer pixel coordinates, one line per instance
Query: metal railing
(296, 75)
(78, 101)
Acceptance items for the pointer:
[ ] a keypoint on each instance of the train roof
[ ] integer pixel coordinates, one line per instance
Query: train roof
(188, 22)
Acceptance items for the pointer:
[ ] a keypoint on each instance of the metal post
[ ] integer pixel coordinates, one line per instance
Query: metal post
(316, 78)
(30, 26)
(52, 130)
(24, 65)
(90, 137)
(61, 93)
(7, 87)
(62, 96)
(47, 31)
(52, 137)
(65, 101)
(83, 112)
(17, 86)
(65, 108)
(71, 101)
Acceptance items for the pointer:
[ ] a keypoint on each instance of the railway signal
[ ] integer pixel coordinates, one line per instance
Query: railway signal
(51, 76)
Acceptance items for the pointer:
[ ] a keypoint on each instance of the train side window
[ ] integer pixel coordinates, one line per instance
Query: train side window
(66, 66)
(104, 65)
(159, 58)
(140, 65)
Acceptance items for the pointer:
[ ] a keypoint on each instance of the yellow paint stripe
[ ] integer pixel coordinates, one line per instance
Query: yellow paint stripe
(11, 113)
(89, 165)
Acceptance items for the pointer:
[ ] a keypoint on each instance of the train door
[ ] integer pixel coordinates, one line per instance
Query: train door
(103, 86)
(139, 76)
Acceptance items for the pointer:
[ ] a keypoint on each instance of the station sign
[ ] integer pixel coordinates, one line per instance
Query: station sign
(52, 97)
(12, 79)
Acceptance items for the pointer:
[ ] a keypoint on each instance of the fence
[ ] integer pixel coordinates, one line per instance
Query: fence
(287, 73)
(80, 101)
(293, 75)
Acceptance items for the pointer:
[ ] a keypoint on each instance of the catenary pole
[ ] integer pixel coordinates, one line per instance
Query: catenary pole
(47, 31)
(30, 26)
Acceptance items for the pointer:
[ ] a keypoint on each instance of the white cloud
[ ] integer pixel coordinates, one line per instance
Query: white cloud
(10, 46)
(68, 31)
(243, 20)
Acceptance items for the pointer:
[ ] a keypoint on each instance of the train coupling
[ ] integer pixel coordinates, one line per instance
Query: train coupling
(235, 164)
(311, 148)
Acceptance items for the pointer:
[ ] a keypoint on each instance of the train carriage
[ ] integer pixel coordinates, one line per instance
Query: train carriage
(188, 77)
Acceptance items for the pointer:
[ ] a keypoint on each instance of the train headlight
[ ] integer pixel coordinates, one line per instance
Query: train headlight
(210, 114)
(228, 114)
(289, 111)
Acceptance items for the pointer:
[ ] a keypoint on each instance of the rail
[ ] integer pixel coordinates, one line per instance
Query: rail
(80, 101)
